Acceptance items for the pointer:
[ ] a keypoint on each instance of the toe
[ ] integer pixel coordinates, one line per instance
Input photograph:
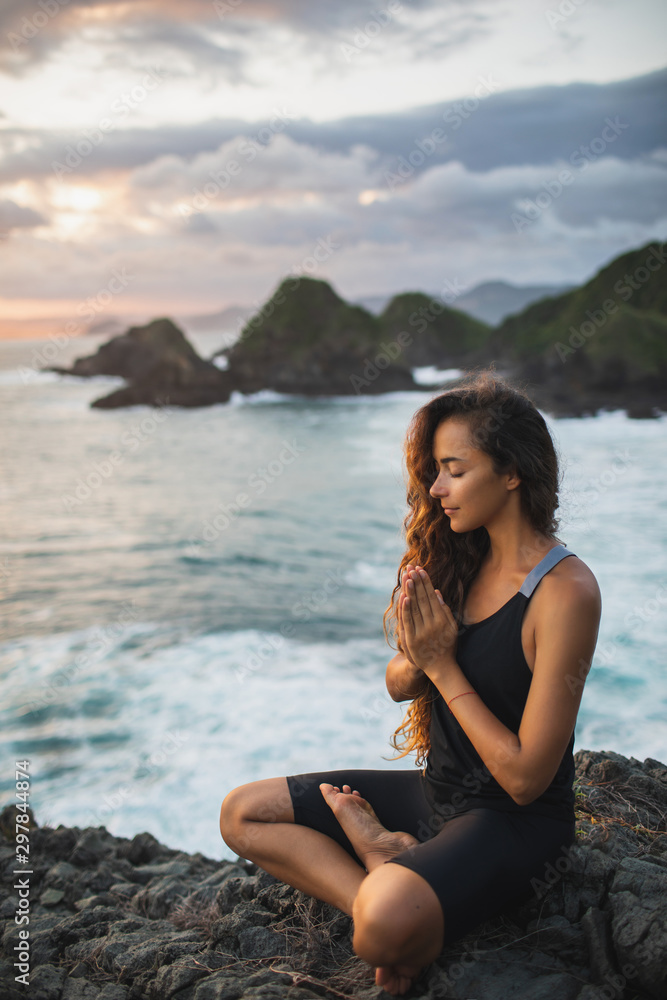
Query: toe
(327, 791)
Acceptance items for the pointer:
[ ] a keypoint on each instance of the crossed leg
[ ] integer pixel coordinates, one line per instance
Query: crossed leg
(398, 921)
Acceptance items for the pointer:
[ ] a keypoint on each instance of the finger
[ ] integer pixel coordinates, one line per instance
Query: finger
(427, 605)
(440, 598)
(413, 603)
(421, 596)
(408, 620)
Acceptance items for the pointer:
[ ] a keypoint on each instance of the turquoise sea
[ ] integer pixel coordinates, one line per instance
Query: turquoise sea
(193, 598)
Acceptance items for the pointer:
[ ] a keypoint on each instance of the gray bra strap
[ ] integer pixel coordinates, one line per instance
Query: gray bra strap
(552, 557)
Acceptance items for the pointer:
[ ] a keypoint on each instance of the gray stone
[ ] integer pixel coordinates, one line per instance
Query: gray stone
(102, 899)
(235, 889)
(123, 890)
(178, 976)
(261, 942)
(79, 989)
(219, 986)
(147, 872)
(51, 897)
(81, 969)
(112, 991)
(60, 874)
(91, 847)
(46, 982)
(557, 935)
(596, 926)
(142, 849)
(159, 896)
(639, 932)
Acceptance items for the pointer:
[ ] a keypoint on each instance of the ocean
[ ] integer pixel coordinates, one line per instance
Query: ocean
(193, 599)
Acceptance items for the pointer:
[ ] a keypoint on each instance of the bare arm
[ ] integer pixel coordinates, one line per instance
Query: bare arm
(404, 680)
(568, 607)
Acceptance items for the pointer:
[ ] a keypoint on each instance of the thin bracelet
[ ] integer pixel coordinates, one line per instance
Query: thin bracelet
(459, 696)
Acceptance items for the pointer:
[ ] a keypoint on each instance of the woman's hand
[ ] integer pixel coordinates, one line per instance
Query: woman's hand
(401, 628)
(426, 627)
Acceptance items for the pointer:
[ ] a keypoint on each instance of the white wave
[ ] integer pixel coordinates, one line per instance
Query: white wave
(379, 578)
(429, 375)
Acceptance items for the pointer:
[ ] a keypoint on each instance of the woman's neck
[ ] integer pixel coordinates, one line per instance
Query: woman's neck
(517, 549)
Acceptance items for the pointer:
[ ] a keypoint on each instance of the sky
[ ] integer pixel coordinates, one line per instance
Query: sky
(162, 157)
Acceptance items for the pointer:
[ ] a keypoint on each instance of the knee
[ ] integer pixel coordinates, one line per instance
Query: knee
(397, 918)
(380, 931)
(233, 817)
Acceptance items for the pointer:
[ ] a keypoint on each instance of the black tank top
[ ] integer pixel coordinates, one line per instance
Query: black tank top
(490, 655)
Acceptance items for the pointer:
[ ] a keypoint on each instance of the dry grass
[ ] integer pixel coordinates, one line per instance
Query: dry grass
(606, 804)
(190, 913)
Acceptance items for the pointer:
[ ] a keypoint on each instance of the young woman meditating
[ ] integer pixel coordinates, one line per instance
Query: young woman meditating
(496, 623)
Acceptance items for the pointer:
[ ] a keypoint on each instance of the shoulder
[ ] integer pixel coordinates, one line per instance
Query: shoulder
(571, 587)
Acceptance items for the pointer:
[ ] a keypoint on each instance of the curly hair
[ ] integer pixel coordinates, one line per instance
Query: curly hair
(505, 424)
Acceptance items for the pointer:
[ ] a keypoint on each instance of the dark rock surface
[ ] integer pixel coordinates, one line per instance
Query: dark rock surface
(161, 366)
(119, 919)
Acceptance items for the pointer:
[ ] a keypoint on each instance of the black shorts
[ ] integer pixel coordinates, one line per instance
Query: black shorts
(477, 863)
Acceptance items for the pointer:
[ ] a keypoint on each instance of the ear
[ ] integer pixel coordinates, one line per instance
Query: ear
(513, 480)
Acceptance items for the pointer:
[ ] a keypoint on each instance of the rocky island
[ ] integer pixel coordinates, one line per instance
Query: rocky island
(600, 346)
(113, 918)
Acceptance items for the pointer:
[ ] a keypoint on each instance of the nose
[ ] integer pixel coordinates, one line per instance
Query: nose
(438, 489)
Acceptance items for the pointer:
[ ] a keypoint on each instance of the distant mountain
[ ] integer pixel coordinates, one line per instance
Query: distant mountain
(373, 303)
(232, 319)
(490, 301)
(493, 301)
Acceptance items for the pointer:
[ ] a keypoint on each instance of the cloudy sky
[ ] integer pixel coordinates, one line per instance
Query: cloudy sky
(180, 156)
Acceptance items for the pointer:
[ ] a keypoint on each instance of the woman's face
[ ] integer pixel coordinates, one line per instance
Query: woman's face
(471, 493)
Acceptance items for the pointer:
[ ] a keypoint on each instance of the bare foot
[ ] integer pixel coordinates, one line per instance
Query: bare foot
(373, 843)
(396, 979)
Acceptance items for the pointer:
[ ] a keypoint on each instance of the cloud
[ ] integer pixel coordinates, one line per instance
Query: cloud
(232, 246)
(13, 216)
(30, 37)
(538, 125)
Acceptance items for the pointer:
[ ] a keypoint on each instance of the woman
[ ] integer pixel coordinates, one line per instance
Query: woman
(496, 629)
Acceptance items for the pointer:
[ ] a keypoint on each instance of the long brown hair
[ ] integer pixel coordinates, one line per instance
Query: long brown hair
(505, 424)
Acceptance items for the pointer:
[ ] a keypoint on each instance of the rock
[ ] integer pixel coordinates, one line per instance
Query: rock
(161, 366)
(51, 897)
(637, 898)
(143, 848)
(158, 897)
(219, 986)
(261, 942)
(596, 927)
(130, 919)
(182, 973)
(60, 874)
(46, 982)
(235, 889)
(307, 340)
(79, 989)
(112, 991)
(91, 847)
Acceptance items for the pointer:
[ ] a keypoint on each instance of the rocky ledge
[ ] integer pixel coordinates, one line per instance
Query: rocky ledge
(119, 919)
